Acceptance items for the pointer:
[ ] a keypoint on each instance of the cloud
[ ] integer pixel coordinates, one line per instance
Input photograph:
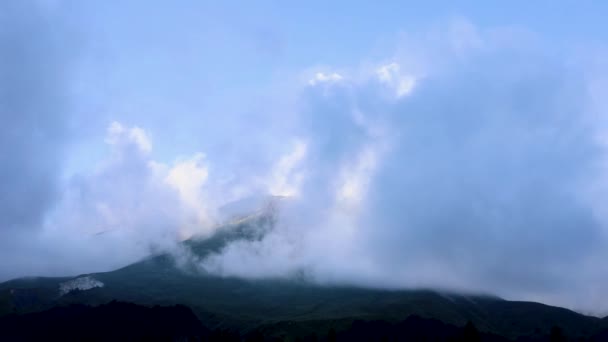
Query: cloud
(391, 76)
(468, 160)
(117, 134)
(35, 69)
(285, 178)
(130, 204)
(321, 77)
(188, 177)
(474, 177)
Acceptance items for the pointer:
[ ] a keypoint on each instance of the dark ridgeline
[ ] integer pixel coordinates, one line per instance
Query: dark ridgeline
(115, 321)
(119, 321)
(415, 328)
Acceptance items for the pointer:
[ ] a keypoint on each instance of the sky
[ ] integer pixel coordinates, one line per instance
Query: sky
(457, 145)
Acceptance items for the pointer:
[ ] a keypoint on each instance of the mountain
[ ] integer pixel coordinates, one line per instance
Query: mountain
(293, 307)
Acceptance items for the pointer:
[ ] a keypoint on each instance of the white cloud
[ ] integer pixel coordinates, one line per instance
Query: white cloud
(188, 177)
(130, 204)
(355, 177)
(287, 175)
(321, 77)
(391, 75)
(118, 134)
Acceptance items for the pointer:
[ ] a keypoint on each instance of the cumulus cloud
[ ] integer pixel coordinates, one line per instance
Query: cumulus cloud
(129, 204)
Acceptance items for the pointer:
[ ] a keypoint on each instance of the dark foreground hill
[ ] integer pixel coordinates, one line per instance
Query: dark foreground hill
(118, 321)
(292, 307)
(115, 321)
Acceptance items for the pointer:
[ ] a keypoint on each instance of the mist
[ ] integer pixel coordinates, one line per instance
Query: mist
(462, 158)
(480, 174)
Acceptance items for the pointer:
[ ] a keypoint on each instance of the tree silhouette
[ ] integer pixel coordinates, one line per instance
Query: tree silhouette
(312, 338)
(331, 335)
(255, 336)
(557, 335)
(470, 333)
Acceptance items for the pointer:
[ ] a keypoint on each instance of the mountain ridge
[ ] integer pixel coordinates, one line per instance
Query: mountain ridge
(243, 305)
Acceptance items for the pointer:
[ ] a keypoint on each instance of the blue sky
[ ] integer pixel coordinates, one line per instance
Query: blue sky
(457, 145)
(192, 58)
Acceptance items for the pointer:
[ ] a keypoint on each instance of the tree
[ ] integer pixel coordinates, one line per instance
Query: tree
(557, 335)
(331, 335)
(470, 333)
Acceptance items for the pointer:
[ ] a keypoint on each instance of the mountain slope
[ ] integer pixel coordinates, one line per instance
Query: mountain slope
(244, 304)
